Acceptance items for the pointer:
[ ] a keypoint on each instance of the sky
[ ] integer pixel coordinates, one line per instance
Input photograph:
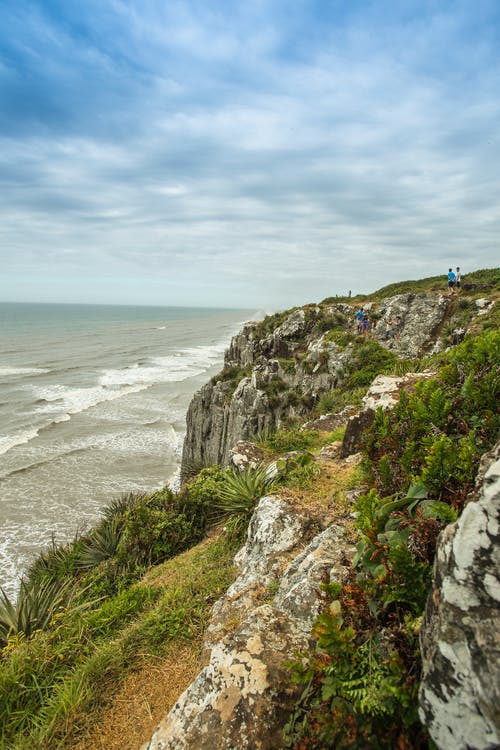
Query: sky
(257, 154)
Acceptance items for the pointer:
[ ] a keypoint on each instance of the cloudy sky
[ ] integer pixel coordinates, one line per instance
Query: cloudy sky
(263, 153)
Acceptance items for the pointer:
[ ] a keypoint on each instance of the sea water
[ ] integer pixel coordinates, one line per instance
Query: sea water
(92, 406)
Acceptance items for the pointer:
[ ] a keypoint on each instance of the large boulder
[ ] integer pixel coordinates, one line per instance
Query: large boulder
(460, 637)
(421, 318)
(243, 696)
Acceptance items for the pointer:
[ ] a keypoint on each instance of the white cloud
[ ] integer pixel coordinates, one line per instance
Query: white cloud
(269, 166)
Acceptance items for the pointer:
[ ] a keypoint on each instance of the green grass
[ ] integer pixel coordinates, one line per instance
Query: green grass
(51, 685)
(482, 280)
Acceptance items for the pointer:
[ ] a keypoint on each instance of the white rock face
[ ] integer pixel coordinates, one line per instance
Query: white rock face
(385, 389)
(482, 303)
(384, 393)
(245, 455)
(421, 316)
(271, 532)
(243, 697)
(460, 690)
(327, 553)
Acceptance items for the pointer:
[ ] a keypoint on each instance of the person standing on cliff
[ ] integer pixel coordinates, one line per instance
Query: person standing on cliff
(457, 279)
(451, 281)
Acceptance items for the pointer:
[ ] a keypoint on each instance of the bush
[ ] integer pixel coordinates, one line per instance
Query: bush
(203, 492)
(437, 434)
(369, 360)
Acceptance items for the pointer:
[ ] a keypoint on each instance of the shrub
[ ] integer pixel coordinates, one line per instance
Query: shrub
(58, 561)
(154, 531)
(101, 544)
(369, 359)
(438, 433)
(357, 691)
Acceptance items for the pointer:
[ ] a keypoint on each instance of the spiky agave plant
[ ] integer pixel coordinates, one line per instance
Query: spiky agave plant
(57, 561)
(119, 505)
(35, 607)
(239, 494)
(101, 544)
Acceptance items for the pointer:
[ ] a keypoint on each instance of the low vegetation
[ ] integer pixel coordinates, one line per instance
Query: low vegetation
(53, 682)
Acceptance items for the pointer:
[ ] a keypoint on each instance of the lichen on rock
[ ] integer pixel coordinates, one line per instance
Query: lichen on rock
(460, 690)
(243, 696)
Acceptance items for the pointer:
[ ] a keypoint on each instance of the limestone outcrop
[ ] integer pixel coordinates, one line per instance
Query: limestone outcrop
(243, 696)
(460, 637)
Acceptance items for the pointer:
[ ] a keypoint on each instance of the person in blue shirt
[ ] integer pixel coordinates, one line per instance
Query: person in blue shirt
(451, 281)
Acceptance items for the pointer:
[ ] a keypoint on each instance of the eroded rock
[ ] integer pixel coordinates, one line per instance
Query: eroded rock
(329, 422)
(245, 454)
(242, 698)
(421, 316)
(460, 638)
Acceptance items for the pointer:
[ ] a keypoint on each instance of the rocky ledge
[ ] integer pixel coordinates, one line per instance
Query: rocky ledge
(243, 696)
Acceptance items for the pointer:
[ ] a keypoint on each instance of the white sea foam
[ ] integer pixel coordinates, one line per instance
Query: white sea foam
(184, 364)
(174, 483)
(60, 402)
(20, 438)
(149, 440)
(6, 372)
(64, 401)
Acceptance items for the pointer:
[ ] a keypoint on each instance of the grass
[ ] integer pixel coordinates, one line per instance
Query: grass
(52, 685)
(143, 698)
(475, 283)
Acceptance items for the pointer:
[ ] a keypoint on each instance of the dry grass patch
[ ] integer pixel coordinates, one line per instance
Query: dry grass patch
(143, 699)
(173, 571)
(326, 495)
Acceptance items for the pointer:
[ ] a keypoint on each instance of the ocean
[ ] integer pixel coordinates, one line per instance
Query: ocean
(93, 401)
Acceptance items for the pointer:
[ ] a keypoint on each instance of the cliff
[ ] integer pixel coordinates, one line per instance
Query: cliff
(279, 369)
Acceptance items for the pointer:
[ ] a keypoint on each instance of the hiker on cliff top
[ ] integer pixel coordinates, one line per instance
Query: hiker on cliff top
(457, 279)
(397, 328)
(359, 320)
(365, 324)
(451, 281)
